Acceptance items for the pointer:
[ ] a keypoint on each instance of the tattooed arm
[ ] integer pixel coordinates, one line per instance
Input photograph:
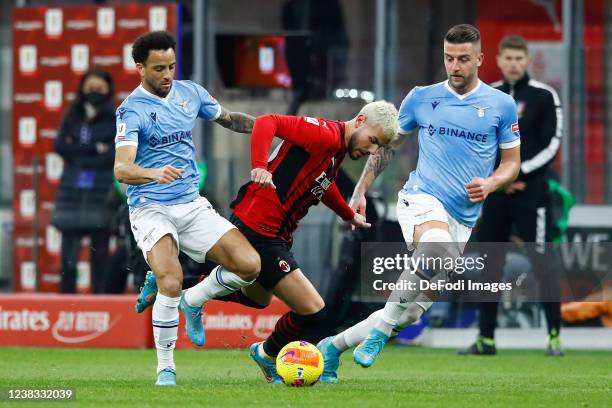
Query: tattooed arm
(374, 166)
(236, 121)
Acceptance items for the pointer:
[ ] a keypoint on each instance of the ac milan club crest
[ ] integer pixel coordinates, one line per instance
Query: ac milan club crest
(284, 265)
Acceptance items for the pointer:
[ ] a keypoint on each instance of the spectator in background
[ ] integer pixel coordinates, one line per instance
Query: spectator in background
(524, 205)
(85, 141)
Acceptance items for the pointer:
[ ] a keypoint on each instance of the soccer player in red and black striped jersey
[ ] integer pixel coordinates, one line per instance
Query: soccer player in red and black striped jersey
(298, 174)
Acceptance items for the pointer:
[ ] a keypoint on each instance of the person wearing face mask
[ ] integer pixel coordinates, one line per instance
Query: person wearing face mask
(85, 142)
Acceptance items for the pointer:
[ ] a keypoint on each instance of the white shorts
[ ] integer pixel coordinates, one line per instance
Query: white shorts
(415, 209)
(195, 226)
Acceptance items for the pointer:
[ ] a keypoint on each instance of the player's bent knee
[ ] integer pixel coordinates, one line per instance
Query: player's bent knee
(170, 285)
(247, 265)
(436, 248)
(435, 235)
(314, 305)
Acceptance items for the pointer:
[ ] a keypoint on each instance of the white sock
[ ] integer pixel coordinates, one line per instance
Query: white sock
(413, 312)
(355, 334)
(262, 353)
(165, 329)
(391, 315)
(220, 282)
(401, 303)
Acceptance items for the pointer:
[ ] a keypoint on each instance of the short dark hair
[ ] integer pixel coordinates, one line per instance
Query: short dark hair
(154, 40)
(515, 42)
(462, 33)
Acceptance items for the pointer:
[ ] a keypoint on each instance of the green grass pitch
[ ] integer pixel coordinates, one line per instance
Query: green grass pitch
(412, 377)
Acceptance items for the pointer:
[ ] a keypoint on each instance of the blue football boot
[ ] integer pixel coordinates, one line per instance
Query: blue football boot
(167, 376)
(148, 293)
(193, 321)
(366, 352)
(268, 368)
(331, 357)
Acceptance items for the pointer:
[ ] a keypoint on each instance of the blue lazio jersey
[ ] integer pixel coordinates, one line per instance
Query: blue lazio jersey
(459, 136)
(162, 130)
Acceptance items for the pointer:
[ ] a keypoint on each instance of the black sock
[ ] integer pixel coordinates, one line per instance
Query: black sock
(291, 327)
(239, 297)
(488, 319)
(552, 310)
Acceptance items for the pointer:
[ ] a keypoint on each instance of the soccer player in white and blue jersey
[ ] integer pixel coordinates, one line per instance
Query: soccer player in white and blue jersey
(462, 123)
(155, 156)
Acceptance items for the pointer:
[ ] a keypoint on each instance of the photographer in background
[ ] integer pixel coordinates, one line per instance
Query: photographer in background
(85, 141)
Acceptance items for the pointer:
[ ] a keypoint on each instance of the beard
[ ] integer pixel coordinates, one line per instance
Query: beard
(466, 79)
(351, 146)
(157, 89)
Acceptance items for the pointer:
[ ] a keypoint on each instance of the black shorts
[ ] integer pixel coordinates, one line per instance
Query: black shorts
(276, 258)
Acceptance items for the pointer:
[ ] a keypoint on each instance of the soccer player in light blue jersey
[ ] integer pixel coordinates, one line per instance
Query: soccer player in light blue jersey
(155, 156)
(462, 123)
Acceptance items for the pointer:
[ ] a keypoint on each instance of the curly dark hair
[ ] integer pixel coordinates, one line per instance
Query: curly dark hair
(154, 40)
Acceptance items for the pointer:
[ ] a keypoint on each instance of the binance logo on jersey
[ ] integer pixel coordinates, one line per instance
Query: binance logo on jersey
(431, 130)
(153, 141)
(175, 137)
(460, 133)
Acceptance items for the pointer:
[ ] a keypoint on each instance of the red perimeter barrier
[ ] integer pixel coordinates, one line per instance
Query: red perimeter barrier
(73, 321)
(52, 320)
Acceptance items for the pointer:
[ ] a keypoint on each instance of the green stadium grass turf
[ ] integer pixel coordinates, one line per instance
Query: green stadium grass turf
(414, 377)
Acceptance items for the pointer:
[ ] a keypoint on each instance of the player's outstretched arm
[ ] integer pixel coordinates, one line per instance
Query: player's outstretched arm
(374, 166)
(236, 121)
(479, 188)
(128, 172)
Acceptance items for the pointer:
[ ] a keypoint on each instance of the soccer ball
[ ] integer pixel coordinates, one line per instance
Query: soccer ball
(299, 363)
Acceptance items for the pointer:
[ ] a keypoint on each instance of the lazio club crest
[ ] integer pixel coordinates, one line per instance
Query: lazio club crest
(480, 110)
